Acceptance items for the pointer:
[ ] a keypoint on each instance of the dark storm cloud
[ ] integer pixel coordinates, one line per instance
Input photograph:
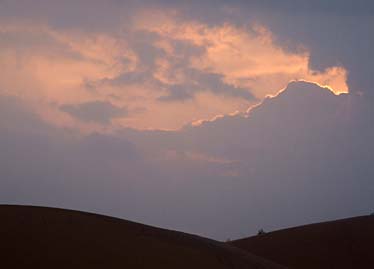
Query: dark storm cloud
(100, 112)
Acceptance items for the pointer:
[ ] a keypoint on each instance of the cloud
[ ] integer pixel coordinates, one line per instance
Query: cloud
(205, 82)
(298, 155)
(216, 83)
(344, 22)
(100, 112)
(243, 55)
(362, 7)
(303, 155)
(177, 70)
(178, 93)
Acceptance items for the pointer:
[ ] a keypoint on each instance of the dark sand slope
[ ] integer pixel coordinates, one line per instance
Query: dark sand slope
(36, 237)
(341, 244)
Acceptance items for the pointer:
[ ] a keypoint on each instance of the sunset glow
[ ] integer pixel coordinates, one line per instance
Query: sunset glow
(192, 71)
(219, 118)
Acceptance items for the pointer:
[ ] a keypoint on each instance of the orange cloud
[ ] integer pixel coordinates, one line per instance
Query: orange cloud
(52, 67)
(247, 57)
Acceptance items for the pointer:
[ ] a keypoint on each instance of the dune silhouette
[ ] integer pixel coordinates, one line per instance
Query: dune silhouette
(38, 237)
(343, 244)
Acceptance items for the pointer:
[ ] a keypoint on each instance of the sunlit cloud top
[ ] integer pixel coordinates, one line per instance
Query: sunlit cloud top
(154, 70)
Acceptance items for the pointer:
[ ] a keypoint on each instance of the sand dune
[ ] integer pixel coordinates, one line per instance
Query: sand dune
(341, 244)
(37, 237)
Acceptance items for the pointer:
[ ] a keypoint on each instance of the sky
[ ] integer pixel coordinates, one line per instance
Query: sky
(212, 117)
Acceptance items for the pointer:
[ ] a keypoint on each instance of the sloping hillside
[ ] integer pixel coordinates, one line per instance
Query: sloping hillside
(341, 244)
(36, 237)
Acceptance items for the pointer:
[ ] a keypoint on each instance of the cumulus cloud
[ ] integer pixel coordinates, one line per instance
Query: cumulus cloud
(246, 56)
(295, 158)
(344, 23)
(156, 63)
(301, 156)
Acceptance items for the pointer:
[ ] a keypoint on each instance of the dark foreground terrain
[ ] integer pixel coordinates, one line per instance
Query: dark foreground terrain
(341, 244)
(36, 237)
